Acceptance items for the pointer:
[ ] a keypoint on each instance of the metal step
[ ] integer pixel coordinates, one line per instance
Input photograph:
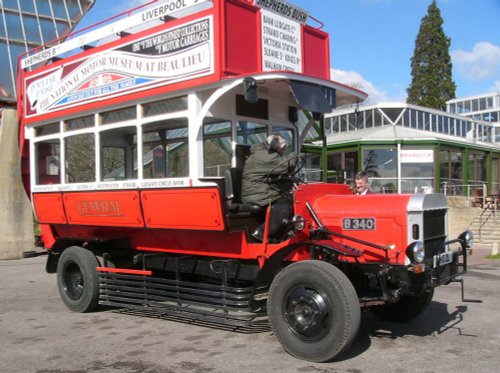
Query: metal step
(208, 303)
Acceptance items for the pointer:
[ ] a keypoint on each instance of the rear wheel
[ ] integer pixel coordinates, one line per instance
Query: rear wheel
(406, 309)
(313, 310)
(77, 279)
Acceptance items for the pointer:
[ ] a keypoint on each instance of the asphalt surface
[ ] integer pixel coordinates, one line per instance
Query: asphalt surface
(39, 334)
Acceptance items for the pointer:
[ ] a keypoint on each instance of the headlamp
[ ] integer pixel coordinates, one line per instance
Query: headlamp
(416, 252)
(467, 238)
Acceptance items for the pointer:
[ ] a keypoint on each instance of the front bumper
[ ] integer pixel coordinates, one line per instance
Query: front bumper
(445, 267)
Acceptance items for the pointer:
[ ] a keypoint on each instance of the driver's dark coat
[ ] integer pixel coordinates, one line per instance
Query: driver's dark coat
(258, 167)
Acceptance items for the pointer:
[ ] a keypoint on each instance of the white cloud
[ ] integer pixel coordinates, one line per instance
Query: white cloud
(483, 62)
(356, 80)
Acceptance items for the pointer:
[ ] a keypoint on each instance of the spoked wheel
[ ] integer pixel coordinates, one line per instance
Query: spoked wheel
(77, 279)
(313, 310)
(406, 309)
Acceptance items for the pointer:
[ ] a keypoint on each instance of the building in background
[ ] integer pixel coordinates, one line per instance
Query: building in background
(27, 24)
(483, 107)
(408, 148)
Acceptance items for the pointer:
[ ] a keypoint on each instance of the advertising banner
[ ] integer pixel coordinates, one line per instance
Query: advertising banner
(281, 35)
(167, 57)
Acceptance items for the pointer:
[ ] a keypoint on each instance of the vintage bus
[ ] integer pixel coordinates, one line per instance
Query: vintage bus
(134, 136)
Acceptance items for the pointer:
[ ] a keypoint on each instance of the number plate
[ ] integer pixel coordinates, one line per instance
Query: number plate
(443, 259)
(358, 224)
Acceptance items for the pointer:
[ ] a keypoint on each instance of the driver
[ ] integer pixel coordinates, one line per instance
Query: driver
(265, 161)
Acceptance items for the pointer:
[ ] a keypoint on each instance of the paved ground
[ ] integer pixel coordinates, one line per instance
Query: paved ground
(38, 334)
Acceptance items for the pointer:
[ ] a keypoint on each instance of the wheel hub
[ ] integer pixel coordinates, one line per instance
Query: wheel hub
(73, 281)
(306, 313)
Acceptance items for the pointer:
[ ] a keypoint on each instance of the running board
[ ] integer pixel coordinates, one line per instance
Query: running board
(206, 303)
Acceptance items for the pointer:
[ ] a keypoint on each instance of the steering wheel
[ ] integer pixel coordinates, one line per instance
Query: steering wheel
(290, 175)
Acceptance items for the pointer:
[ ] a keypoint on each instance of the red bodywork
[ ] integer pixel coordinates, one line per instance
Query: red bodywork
(158, 219)
(143, 218)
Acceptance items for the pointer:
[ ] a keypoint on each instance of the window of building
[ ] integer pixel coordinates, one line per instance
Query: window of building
(48, 31)
(343, 123)
(43, 7)
(393, 114)
(335, 127)
(427, 125)
(13, 25)
(165, 149)
(313, 169)
(495, 168)
(342, 166)
(381, 165)
(378, 119)
(477, 169)
(31, 29)
(417, 169)
(369, 119)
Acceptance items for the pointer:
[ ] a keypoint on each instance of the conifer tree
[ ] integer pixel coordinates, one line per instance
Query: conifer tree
(432, 83)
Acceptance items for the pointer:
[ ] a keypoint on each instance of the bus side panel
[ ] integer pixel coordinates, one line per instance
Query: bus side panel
(104, 208)
(49, 208)
(316, 53)
(198, 209)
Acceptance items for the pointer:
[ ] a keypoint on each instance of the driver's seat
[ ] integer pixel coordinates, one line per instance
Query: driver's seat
(233, 177)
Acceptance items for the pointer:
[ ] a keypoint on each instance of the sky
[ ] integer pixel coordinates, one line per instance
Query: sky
(372, 41)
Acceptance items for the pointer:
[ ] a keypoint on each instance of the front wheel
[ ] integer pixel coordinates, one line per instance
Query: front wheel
(313, 310)
(77, 279)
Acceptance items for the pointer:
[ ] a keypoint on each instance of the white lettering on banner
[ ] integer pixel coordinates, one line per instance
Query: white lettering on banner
(284, 9)
(120, 70)
(281, 43)
(417, 156)
(161, 10)
(165, 68)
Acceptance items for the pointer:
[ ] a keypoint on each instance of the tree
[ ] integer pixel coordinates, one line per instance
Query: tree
(432, 83)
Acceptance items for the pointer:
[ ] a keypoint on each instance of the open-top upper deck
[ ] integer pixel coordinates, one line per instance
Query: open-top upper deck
(171, 46)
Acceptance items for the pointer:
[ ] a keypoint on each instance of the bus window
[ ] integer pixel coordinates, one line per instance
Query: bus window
(165, 149)
(79, 123)
(48, 162)
(119, 154)
(47, 129)
(249, 133)
(80, 158)
(120, 115)
(170, 105)
(216, 146)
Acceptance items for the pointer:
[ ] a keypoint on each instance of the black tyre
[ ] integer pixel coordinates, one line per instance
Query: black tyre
(313, 310)
(406, 309)
(77, 279)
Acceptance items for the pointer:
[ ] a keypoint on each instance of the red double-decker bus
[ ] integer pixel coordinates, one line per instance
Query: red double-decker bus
(134, 138)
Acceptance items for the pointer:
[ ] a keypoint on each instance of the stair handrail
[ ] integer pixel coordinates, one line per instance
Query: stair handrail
(481, 224)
